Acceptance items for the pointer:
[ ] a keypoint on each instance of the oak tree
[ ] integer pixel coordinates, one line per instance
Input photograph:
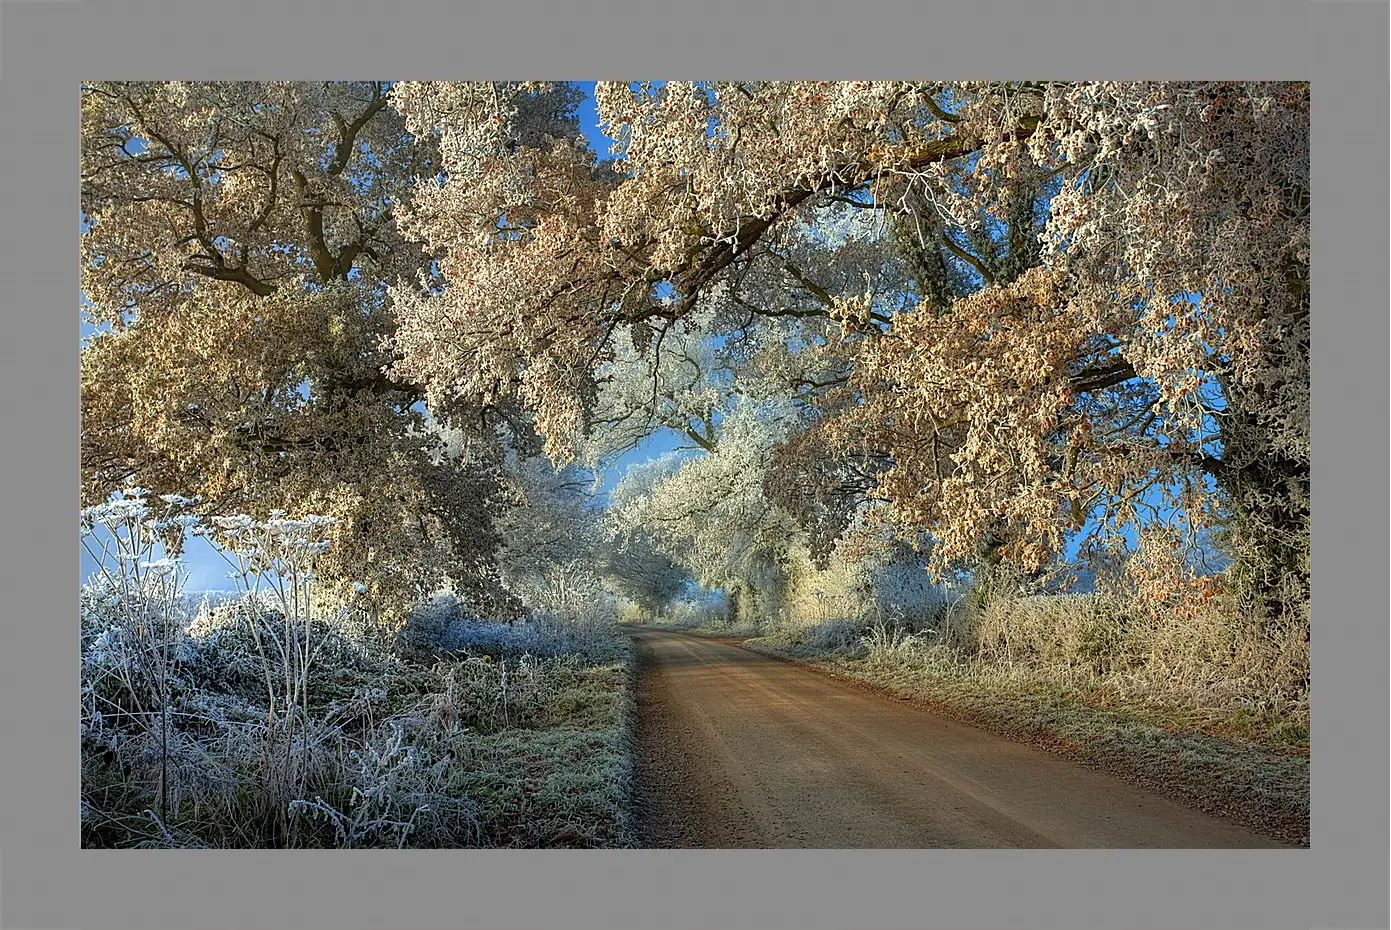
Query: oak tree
(238, 241)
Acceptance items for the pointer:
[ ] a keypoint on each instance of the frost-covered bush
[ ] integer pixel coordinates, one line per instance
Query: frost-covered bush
(836, 633)
(282, 717)
(445, 624)
(1216, 658)
(432, 624)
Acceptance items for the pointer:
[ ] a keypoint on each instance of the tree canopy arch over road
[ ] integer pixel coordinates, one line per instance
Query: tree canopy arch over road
(995, 316)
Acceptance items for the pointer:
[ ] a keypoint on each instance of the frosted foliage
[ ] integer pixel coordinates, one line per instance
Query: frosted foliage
(550, 533)
(548, 257)
(709, 513)
(477, 122)
(998, 313)
(1117, 322)
(545, 253)
(503, 226)
(1207, 195)
(249, 183)
(635, 569)
(734, 148)
(1175, 264)
(240, 237)
(673, 382)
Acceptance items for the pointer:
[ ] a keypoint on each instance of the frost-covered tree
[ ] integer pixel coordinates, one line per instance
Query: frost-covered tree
(1009, 312)
(517, 186)
(634, 568)
(675, 380)
(708, 512)
(551, 539)
(1136, 364)
(1084, 308)
(238, 241)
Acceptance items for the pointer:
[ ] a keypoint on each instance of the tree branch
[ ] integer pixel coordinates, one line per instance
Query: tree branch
(968, 258)
(1097, 377)
(236, 275)
(348, 131)
(692, 277)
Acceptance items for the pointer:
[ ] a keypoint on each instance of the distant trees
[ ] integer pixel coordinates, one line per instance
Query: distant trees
(550, 533)
(708, 513)
(634, 569)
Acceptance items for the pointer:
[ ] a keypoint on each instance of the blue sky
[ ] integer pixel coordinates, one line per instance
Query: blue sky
(589, 121)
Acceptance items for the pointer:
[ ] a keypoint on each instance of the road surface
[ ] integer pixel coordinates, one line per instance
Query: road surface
(740, 750)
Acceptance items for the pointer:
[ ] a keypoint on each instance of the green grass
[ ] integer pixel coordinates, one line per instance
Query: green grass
(552, 788)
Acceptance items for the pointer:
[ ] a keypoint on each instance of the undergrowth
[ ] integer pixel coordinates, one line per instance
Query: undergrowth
(1218, 670)
(272, 720)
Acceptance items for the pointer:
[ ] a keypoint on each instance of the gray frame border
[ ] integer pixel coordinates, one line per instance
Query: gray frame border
(48, 882)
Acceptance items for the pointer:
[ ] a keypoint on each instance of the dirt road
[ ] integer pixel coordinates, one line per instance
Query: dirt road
(740, 750)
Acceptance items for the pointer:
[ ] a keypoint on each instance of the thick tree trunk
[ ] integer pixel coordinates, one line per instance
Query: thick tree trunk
(1268, 490)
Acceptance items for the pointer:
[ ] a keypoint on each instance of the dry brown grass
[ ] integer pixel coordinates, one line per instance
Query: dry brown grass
(1204, 668)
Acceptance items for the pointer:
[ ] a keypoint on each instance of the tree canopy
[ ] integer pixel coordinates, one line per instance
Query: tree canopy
(984, 319)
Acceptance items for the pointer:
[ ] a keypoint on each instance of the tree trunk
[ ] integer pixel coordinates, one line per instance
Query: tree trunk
(1268, 490)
